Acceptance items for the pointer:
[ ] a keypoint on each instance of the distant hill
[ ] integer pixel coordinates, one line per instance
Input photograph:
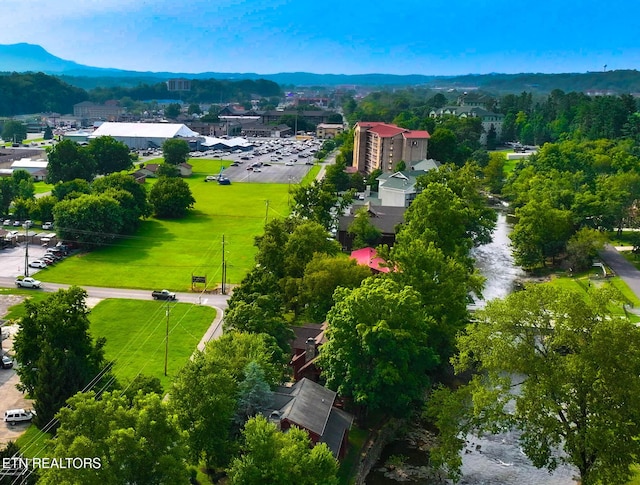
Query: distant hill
(28, 57)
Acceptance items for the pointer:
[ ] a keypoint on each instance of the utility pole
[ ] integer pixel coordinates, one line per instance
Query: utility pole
(26, 251)
(224, 276)
(166, 342)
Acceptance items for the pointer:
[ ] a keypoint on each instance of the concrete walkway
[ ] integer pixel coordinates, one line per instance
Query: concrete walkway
(623, 268)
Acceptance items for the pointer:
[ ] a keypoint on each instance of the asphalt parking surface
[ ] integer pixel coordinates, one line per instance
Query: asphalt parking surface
(290, 168)
(12, 259)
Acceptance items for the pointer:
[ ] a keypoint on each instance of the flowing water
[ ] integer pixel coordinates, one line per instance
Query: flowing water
(493, 459)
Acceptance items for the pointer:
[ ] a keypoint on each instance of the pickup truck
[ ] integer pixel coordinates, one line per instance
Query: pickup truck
(28, 283)
(163, 295)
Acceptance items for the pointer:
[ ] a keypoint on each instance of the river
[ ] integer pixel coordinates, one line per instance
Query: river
(493, 459)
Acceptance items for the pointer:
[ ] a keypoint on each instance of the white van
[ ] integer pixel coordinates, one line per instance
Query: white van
(13, 416)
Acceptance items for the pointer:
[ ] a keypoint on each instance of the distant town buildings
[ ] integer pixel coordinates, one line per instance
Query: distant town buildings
(179, 84)
(382, 146)
(109, 111)
(329, 130)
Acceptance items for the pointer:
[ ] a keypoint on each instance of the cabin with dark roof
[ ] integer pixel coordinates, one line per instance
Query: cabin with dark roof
(311, 407)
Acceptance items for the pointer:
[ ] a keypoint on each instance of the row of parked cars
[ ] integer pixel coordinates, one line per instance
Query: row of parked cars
(51, 256)
(26, 224)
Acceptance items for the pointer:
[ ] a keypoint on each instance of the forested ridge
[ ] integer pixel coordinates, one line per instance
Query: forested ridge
(39, 93)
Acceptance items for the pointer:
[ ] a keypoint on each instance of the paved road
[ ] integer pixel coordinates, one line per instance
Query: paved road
(623, 268)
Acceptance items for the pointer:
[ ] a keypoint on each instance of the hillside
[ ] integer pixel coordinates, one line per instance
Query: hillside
(28, 57)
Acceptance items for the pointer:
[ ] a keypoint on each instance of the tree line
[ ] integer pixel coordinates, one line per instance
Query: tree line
(91, 209)
(40, 93)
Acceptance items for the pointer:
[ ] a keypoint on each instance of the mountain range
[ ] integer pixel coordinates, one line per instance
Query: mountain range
(25, 57)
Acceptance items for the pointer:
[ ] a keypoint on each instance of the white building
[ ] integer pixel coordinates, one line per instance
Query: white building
(141, 136)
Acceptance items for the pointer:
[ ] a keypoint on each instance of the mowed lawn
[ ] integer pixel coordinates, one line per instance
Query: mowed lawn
(135, 332)
(166, 253)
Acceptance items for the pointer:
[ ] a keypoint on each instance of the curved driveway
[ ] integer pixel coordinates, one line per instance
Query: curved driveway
(219, 302)
(623, 268)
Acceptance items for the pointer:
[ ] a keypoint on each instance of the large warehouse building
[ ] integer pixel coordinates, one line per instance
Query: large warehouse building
(141, 136)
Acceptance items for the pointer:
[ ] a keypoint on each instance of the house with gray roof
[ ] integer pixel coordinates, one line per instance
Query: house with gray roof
(398, 189)
(385, 218)
(311, 407)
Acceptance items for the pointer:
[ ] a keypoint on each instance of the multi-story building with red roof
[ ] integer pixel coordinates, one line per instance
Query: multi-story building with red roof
(382, 145)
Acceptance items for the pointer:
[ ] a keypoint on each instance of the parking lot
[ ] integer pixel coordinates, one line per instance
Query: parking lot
(12, 259)
(281, 161)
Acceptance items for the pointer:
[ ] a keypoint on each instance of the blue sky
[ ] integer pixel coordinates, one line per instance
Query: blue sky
(430, 37)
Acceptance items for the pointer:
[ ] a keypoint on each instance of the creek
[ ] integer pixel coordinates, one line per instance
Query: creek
(487, 460)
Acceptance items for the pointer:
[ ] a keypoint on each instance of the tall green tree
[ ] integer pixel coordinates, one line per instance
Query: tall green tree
(89, 219)
(48, 133)
(110, 155)
(68, 161)
(57, 355)
(62, 190)
(270, 456)
(136, 442)
(175, 151)
(315, 202)
(378, 352)
(23, 181)
(541, 232)
(204, 394)
(254, 394)
(7, 194)
(43, 210)
(171, 197)
(364, 232)
(123, 181)
(322, 275)
(14, 131)
(262, 315)
(572, 368)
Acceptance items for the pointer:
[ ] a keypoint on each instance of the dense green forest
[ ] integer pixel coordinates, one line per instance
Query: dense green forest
(40, 93)
(37, 93)
(528, 119)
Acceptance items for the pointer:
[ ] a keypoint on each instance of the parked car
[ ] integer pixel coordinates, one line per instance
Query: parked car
(210, 178)
(7, 222)
(16, 223)
(289, 164)
(47, 225)
(7, 363)
(256, 169)
(13, 416)
(38, 263)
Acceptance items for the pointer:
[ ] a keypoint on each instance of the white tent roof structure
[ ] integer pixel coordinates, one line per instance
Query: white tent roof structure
(28, 163)
(144, 130)
(233, 142)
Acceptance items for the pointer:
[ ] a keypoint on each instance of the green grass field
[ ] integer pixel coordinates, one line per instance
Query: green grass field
(34, 443)
(42, 187)
(135, 332)
(582, 283)
(166, 253)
